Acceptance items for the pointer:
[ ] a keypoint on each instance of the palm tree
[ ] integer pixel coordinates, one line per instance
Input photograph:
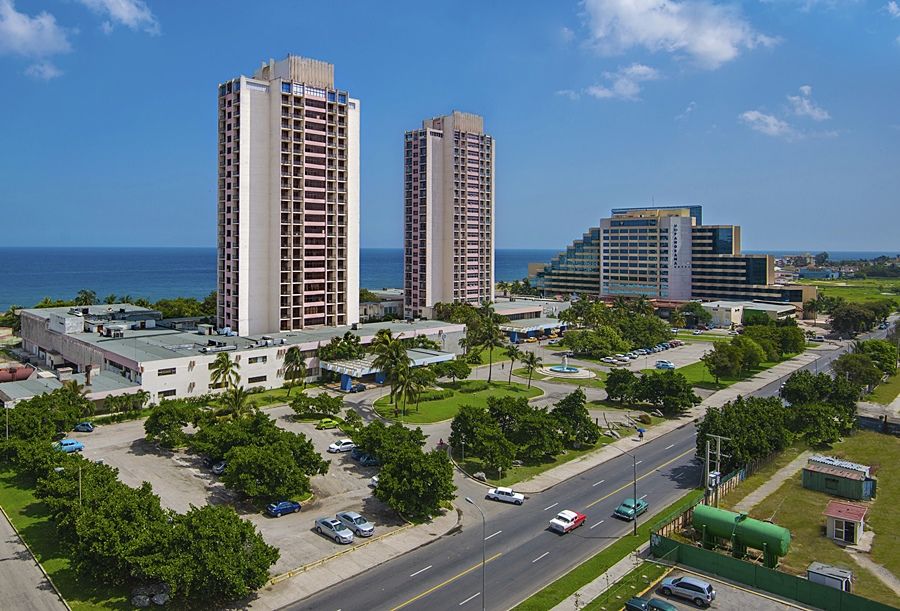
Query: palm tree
(531, 362)
(405, 387)
(390, 358)
(492, 339)
(86, 297)
(224, 371)
(236, 403)
(421, 379)
(294, 367)
(514, 354)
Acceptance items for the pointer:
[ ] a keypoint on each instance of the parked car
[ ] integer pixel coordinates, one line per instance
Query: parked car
(358, 387)
(697, 332)
(219, 467)
(665, 365)
(818, 338)
(629, 509)
(373, 483)
(507, 495)
(356, 523)
(327, 423)
(653, 604)
(553, 342)
(84, 427)
(567, 521)
(608, 359)
(68, 446)
(276, 510)
(335, 529)
(341, 445)
(693, 589)
(367, 460)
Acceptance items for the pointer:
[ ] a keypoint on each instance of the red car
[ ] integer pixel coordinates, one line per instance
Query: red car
(566, 521)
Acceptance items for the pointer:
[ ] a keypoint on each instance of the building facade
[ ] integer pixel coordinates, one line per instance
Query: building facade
(288, 200)
(448, 213)
(575, 271)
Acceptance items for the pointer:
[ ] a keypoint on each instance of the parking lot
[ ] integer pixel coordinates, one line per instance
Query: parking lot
(680, 356)
(181, 480)
(728, 597)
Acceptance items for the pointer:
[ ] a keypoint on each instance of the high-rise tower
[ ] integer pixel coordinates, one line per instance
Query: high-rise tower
(288, 200)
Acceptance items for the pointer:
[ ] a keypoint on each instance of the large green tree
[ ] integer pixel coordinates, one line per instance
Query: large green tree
(267, 472)
(723, 360)
(574, 421)
(621, 385)
(857, 368)
(851, 318)
(166, 422)
(668, 390)
(323, 404)
(224, 372)
(294, 368)
(416, 483)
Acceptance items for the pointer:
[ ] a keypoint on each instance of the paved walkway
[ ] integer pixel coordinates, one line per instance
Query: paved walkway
(772, 484)
(884, 575)
(24, 585)
(596, 588)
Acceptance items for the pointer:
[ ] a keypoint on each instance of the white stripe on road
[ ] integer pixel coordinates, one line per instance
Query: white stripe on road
(638, 462)
(551, 506)
(539, 557)
(494, 535)
(643, 497)
(598, 483)
(669, 447)
(475, 595)
(421, 570)
(595, 525)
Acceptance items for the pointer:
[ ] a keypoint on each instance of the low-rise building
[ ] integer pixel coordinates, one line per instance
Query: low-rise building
(845, 522)
(839, 477)
(728, 313)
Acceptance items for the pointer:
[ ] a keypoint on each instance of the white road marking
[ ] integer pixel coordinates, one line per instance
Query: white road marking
(598, 483)
(421, 570)
(669, 447)
(595, 525)
(539, 557)
(551, 506)
(494, 535)
(643, 497)
(638, 462)
(475, 595)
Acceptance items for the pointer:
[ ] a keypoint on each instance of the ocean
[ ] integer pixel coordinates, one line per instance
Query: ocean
(27, 275)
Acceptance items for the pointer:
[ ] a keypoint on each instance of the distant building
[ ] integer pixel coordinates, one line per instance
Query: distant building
(818, 274)
(839, 477)
(728, 313)
(448, 244)
(845, 522)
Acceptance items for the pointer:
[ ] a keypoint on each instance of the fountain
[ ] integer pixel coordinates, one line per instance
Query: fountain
(564, 368)
(566, 371)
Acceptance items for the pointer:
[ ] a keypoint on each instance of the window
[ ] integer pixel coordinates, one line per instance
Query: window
(170, 371)
(256, 359)
(831, 484)
(845, 531)
(255, 379)
(166, 393)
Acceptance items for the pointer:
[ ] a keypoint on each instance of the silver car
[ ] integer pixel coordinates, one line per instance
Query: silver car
(333, 528)
(700, 592)
(358, 524)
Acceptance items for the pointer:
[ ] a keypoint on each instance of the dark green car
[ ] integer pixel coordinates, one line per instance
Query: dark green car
(654, 604)
(631, 508)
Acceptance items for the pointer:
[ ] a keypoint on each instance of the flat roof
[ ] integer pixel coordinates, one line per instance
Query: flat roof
(531, 324)
(749, 305)
(836, 471)
(101, 381)
(100, 310)
(359, 367)
(842, 510)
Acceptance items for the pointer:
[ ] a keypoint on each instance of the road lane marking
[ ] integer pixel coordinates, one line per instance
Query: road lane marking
(421, 570)
(643, 497)
(445, 583)
(475, 595)
(551, 506)
(649, 473)
(598, 483)
(669, 447)
(539, 557)
(638, 462)
(595, 525)
(494, 535)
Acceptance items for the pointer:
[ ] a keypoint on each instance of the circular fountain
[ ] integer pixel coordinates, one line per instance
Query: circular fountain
(566, 371)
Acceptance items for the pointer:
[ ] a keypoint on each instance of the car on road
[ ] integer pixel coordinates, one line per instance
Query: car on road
(697, 332)
(358, 387)
(665, 365)
(327, 423)
(608, 359)
(553, 342)
(335, 529)
(507, 495)
(276, 510)
(341, 445)
(629, 509)
(653, 604)
(84, 427)
(356, 523)
(693, 589)
(567, 521)
(219, 467)
(68, 446)
(818, 338)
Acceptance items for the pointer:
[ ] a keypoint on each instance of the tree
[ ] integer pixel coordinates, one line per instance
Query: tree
(574, 421)
(821, 258)
(753, 318)
(209, 305)
(236, 403)
(415, 483)
(677, 320)
(508, 413)
(514, 354)
(265, 472)
(85, 297)
(495, 450)
(43, 416)
(751, 353)
(857, 368)
(384, 442)
(724, 360)
(166, 422)
(806, 387)
(457, 369)
(811, 308)
(817, 423)
(621, 385)
(322, 404)
(294, 368)
(694, 313)
(882, 352)
(531, 362)
(365, 295)
(850, 319)
(669, 390)
(420, 380)
(352, 419)
(596, 343)
(466, 427)
(390, 358)
(792, 340)
(490, 336)
(224, 371)
(537, 436)
(756, 427)
(12, 319)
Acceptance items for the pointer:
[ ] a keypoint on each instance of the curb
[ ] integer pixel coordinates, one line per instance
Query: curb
(33, 557)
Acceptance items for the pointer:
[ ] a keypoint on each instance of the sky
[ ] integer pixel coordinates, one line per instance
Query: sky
(782, 116)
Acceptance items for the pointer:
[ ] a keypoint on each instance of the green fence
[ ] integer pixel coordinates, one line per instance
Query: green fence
(774, 582)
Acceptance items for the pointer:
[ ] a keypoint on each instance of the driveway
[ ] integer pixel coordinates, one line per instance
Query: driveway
(25, 587)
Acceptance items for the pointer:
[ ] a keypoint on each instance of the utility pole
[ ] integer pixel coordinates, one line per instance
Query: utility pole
(719, 439)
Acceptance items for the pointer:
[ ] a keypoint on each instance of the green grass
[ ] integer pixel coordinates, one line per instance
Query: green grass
(445, 409)
(499, 356)
(30, 516)
(688, 336)
(762, 475)
(639, 580)
(885, 393)
(800, 511)
(859, 291)
(598, 564)
(698, 374)
(597, 382)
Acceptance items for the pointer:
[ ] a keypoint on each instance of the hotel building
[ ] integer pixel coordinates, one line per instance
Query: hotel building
(448, 213)
(288, 200)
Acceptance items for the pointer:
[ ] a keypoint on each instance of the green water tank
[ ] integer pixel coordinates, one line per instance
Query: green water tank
(744, 531)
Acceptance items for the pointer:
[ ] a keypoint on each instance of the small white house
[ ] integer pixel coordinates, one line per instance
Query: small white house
(844, 522)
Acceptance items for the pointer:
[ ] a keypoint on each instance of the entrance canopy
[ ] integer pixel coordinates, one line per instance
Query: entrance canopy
(357, 368)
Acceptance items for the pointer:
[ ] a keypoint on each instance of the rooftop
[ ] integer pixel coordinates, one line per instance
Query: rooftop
(750, 305)
(836, 471)
(101, 382)
(530, 324)
(842, 510)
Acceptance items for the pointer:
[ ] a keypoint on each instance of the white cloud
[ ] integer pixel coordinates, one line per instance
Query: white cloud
(624, 84)
(767, 124)
(567, 34)
(803, 106)
(893, 9)
(570, 94)
(711, 34)
(686, 112)
(134, 14)
(38, 36)
(43, 71)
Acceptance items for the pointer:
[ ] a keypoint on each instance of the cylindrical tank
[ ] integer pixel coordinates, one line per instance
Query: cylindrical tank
(746, 531)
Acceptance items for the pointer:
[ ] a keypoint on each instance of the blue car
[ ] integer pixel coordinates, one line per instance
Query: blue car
(84, 427)
(68, 446)
(276, 510)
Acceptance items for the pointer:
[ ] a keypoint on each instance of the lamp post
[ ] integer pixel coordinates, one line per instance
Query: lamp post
(633, 484)
(483, 543)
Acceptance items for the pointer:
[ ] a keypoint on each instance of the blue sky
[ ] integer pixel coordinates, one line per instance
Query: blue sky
(782, 116)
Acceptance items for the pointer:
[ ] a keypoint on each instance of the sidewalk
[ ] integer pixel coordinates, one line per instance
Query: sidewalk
(598, 586)
(25, 586)
(302, 582)
(772, 484)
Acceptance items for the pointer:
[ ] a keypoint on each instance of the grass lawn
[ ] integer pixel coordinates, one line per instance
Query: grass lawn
(886, 392)
(859, 291)
(597, 382)
(598, 564)
(642, 578)
(499, 356)
(688, 336)
(445, 409)
(800, 510)
(698, 375)
(31, 518)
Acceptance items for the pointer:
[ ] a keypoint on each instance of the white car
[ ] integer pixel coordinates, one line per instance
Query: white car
(507, 495)
(566, 521)
(341, 445)
(697, 332)
(373, 483)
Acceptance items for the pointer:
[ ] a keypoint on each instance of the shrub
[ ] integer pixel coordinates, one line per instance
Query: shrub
(644, 419)
(474, 386)
(435, 395)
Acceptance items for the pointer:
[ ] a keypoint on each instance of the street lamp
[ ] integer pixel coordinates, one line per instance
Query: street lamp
(483, 543)
(633, 483)
(61, 469)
